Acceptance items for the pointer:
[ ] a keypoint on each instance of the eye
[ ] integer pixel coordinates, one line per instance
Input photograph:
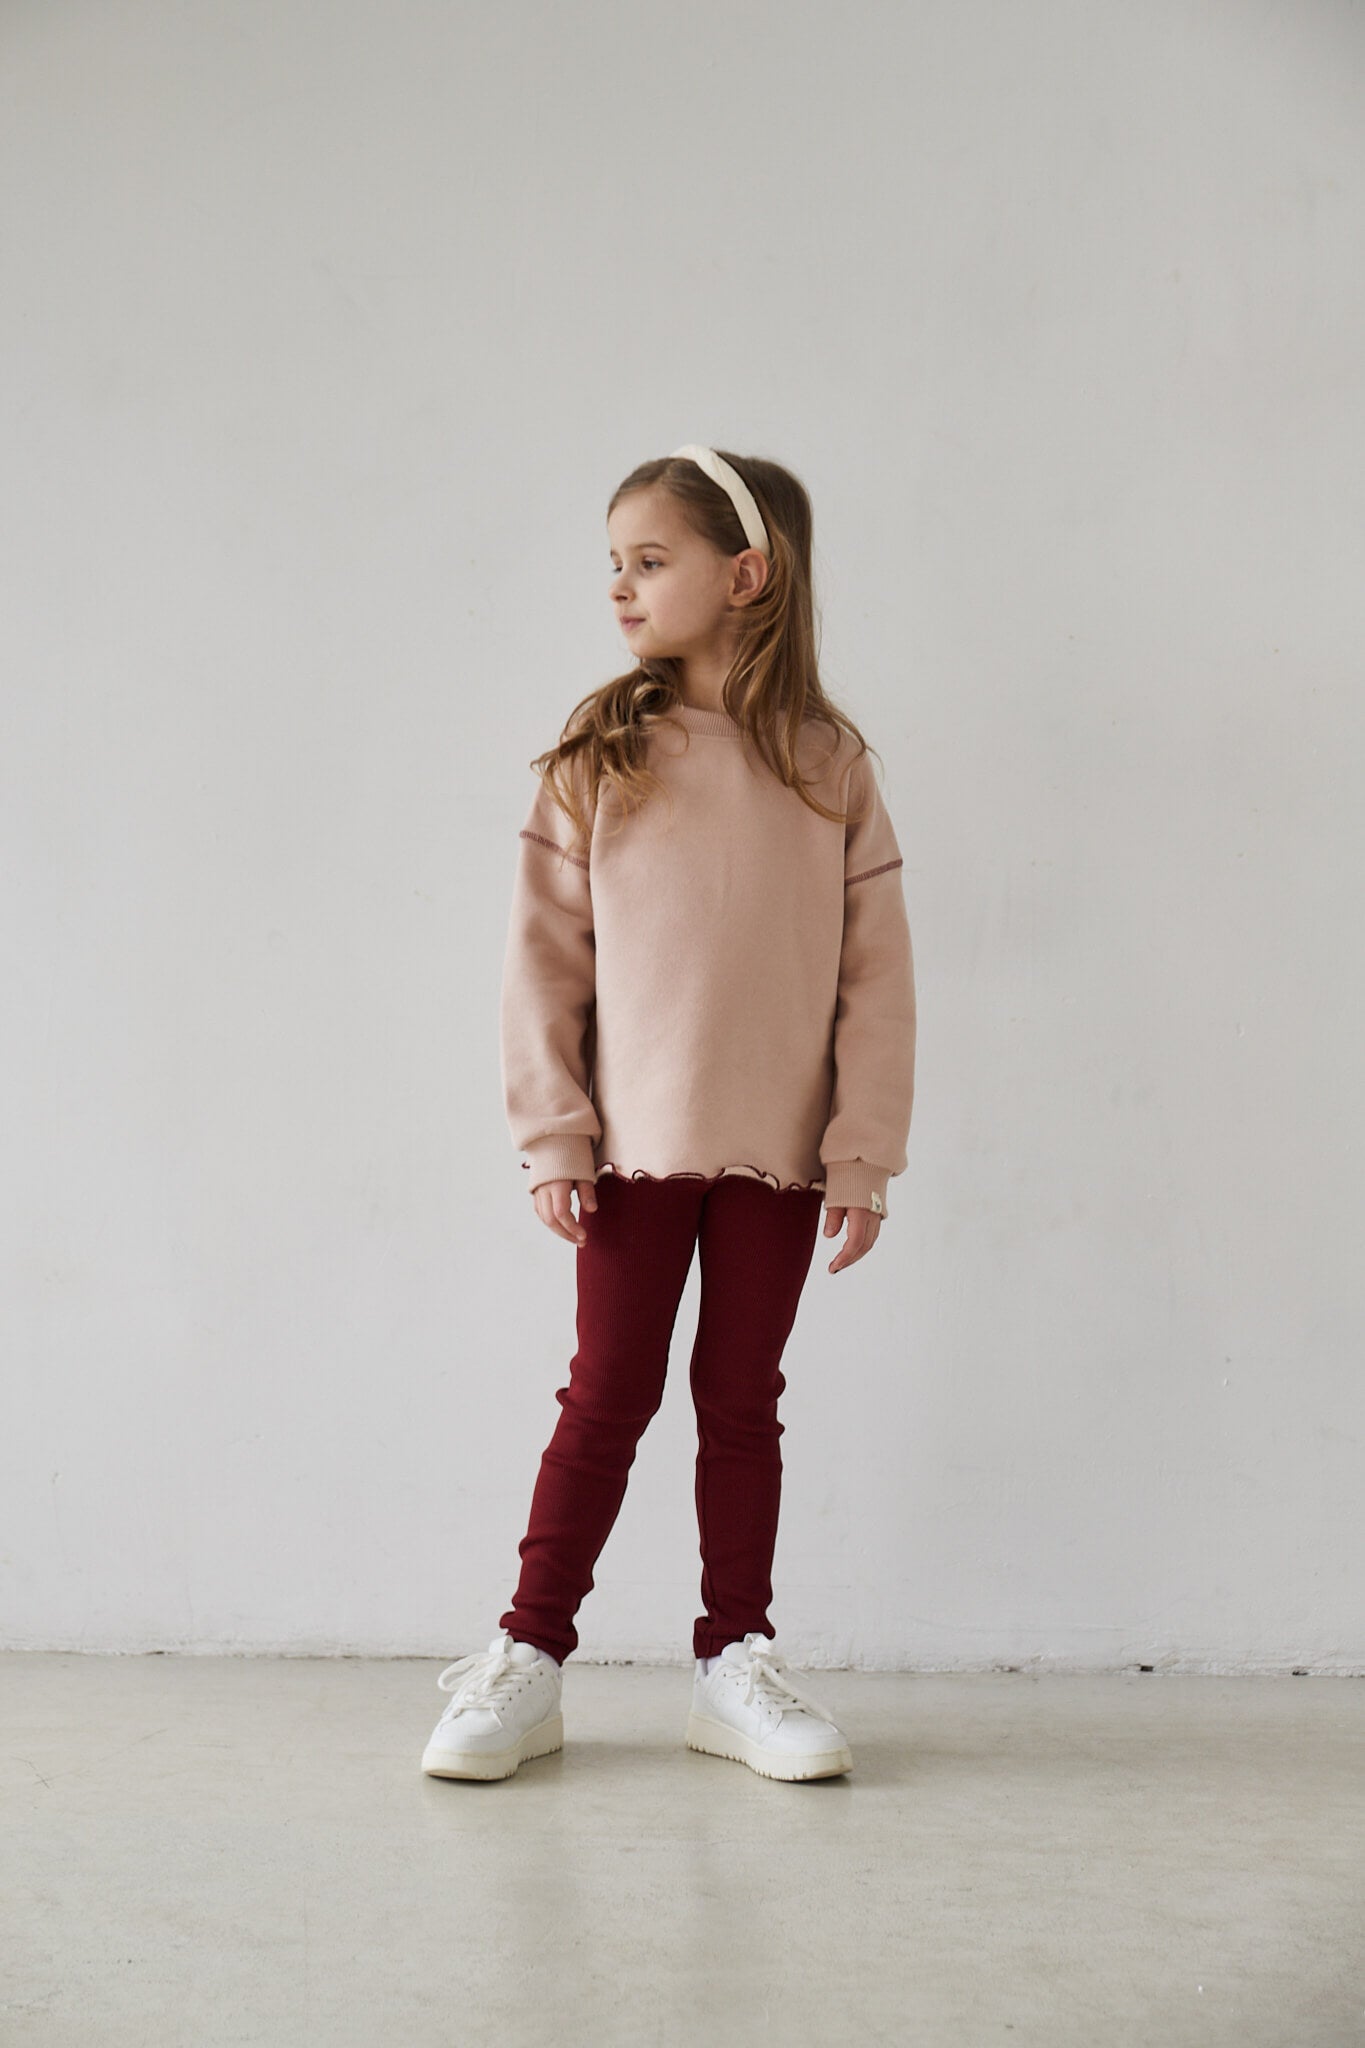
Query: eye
(646, 562)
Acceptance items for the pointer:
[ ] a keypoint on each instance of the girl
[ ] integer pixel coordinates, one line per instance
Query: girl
(708, 1022)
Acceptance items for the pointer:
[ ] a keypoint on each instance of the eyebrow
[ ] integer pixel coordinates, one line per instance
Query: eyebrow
(645, 544)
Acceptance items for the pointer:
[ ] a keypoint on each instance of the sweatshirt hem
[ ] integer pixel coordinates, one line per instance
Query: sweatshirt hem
(727, 1172)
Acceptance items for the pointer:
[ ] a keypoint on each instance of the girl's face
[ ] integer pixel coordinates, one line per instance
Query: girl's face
(672, 592)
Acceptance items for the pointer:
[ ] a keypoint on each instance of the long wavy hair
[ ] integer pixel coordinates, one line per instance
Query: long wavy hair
(773, 686)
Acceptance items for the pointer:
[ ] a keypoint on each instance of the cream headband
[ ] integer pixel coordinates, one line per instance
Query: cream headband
(732, 483)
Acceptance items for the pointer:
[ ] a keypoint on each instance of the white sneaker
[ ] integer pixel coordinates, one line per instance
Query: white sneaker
(748, 1709)
(505, 1707)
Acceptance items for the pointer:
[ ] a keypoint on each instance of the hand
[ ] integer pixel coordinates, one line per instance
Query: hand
(863, 1227)
(552, 1200)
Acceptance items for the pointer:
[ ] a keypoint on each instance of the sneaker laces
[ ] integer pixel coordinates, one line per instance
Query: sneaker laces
(769, 1675)
(483, 1679)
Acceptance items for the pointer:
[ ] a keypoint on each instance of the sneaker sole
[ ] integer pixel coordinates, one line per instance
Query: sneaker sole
(495, 1763)
(713, 1738)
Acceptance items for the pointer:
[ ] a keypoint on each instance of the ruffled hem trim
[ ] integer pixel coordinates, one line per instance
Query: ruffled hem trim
(709, 1179)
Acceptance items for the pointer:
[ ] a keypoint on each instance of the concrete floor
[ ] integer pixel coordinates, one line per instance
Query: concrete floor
(205, 1851)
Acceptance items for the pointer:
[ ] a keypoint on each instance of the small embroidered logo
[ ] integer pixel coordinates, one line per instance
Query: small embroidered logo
(877, 1208)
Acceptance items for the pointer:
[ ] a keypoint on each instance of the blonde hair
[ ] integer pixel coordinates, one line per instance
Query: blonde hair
(773, 687)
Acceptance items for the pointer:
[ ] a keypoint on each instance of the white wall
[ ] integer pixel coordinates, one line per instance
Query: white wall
(327, 332)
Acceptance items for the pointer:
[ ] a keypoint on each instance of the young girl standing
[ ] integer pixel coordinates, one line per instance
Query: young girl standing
(708, 1023)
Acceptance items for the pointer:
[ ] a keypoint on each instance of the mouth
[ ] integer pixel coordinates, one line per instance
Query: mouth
(627, 623)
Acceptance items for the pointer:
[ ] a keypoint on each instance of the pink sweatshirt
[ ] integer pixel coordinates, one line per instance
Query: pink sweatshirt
(720, 984)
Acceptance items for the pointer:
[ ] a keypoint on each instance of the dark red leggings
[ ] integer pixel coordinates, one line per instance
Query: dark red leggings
(755, 1244)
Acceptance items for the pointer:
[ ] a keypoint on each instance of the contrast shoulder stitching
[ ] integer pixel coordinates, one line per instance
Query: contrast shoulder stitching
(867, 872)
(553, 845)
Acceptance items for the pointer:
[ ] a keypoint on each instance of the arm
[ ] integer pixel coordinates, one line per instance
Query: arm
(548, 1002)
(874, 1024)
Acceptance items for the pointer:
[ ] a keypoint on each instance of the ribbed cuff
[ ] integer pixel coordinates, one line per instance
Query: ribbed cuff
(570, 1158)
(854, 1184)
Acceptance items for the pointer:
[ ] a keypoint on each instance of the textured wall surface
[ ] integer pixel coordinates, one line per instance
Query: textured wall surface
(327, 332)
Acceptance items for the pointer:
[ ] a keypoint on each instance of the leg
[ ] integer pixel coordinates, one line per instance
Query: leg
(631, 1273)
(756, 1244)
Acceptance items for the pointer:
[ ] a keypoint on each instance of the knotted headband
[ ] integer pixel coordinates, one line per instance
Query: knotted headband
(732, 483)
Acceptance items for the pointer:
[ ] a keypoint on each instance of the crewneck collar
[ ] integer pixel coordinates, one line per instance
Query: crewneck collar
(718, 723)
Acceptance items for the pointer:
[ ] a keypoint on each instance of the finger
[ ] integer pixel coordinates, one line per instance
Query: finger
(867, 1236)
(545, 1209)
(564, 1215)
(862, 1235)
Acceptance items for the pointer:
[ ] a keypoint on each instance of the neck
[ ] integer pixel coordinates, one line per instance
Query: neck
(702, 676)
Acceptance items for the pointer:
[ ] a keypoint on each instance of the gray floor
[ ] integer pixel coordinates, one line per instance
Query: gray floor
(217, 1850)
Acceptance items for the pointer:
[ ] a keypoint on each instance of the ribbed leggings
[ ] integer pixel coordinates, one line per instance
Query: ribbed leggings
(755, 1243)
